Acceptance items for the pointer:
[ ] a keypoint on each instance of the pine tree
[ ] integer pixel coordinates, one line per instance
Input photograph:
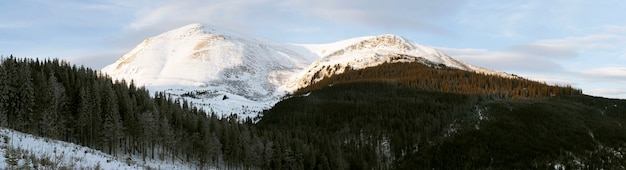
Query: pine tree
(111, 131)
(51, 121)
(166, 136)
(25, 99)
(84, 114)
(95, 121)
(150, 132)
(5, 89)
(3, 118)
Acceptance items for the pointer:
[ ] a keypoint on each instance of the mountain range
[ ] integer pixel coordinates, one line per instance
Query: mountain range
(229, 72)
(380, 102)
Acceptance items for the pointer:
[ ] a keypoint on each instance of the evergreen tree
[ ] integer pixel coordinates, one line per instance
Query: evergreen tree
(111, 130)
(25, 100)
(84, 114)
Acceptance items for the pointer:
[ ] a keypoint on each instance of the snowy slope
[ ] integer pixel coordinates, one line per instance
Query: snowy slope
(25, 151)
(213, 64)
(228, 72)
(359, 53)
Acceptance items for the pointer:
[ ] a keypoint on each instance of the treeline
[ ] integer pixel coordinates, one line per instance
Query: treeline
(444, 79)
(54, 99)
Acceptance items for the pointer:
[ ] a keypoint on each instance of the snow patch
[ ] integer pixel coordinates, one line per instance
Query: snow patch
(19, 150)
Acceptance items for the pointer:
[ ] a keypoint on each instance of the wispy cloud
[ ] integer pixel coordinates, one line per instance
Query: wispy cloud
(504, 60)
(616, 28)
(421, 15)
(588, 42)
(233, 14)
(546, 50)
(617, 74)
(616, 92)
(250, 15)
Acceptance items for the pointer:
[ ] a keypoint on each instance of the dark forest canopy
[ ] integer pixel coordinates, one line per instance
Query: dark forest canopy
(380, 125)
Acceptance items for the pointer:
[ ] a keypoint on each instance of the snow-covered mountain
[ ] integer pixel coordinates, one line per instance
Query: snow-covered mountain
(228, 72)
(362, 52)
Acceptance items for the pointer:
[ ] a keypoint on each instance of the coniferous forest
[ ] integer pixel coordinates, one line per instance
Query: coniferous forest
(394, 116)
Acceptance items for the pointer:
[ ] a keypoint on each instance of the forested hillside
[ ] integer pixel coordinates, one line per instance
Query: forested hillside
(57, 100)
(385, 125)
(438, 77)
(403, 116)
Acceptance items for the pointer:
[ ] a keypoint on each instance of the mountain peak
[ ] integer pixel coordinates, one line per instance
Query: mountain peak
(253, 72)
(185, 31)
(383, 41)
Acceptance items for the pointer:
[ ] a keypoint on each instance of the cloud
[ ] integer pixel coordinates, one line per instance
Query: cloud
(570, 47)
(420, 15)
(546, 50)
(553, 79)
(615, 92)
(14, 25)
(588, 42)
(180, 13)
(504, 60)
(252, 15)
(610, 73)
(615, 28)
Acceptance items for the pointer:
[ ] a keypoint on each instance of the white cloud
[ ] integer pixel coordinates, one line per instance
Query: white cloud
(589, 42)
(553, 50)
(292, 14)
(504, 60)
(615, 28)
(610, 73)
(614, 92)
(238, 15)
(553, 79)
(14, 25)
(393, 14)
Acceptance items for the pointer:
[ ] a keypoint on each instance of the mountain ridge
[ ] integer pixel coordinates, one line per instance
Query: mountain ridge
(254, 73)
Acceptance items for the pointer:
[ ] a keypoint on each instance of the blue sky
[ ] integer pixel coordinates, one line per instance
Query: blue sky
(576, 42)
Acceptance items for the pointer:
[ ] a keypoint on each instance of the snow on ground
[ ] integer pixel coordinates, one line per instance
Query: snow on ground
(19, 150)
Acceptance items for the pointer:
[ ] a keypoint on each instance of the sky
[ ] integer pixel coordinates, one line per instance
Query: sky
(566, 42)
